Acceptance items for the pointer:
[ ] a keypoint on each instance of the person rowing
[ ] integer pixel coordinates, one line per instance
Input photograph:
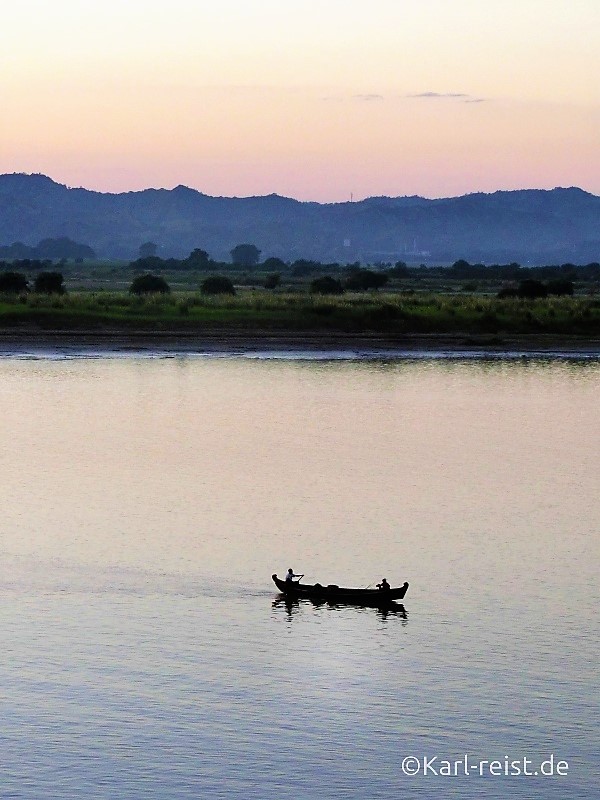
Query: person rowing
(384, 585)
(291, 575)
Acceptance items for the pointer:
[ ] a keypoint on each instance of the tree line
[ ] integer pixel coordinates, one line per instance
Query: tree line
(52, 282)
(246, 257)
(461, 269)
(59, 249)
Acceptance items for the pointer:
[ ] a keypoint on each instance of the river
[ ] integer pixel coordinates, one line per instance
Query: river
(146, 501)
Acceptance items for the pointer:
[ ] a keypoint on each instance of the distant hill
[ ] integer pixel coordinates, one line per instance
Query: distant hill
(529, 226)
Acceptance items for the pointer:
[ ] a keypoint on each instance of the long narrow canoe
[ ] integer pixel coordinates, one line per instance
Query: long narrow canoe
(340, 594)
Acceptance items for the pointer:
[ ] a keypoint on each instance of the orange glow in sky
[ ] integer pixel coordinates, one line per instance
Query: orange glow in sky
(307, 99)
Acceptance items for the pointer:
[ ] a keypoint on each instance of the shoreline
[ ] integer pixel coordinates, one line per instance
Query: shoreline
(234, 341)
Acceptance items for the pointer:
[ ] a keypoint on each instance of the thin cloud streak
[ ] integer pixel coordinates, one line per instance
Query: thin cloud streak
(437, 95)
(377, 98)
(367, 98)
(462, 96)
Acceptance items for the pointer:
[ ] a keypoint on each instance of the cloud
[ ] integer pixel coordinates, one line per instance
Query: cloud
(462, 96)
(438, 95)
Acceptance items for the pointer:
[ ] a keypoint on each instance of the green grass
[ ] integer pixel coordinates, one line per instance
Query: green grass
(383, 312)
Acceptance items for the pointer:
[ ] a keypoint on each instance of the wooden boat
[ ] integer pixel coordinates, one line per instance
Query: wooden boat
(340, 594)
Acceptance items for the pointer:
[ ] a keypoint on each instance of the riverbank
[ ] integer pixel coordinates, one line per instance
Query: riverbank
(236, 341)
(262, 320)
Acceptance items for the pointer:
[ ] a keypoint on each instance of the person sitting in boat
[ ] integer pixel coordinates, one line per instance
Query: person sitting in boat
(384, 585)
(291, 575)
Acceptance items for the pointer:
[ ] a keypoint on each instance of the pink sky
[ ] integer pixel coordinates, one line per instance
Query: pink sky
(307, 99)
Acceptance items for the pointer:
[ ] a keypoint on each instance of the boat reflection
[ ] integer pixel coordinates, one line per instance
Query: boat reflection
(293, 606)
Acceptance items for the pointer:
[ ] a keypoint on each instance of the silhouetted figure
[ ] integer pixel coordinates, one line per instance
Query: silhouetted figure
(291, 575)
(384, 585)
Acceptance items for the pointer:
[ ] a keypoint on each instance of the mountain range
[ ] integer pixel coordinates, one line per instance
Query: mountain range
(530, 226)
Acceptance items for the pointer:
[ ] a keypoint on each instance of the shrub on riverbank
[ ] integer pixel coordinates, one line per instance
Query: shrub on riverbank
(13, 282)
(326, 285)
(217, 284)
(532, 289)
(50, 283)
(149, 284)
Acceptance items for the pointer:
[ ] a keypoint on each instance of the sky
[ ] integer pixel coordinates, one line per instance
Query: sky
(313, 99)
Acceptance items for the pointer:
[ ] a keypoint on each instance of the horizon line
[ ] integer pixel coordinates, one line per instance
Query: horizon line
(351, 199)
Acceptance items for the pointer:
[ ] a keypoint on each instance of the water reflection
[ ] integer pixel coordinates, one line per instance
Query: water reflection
(292, 607)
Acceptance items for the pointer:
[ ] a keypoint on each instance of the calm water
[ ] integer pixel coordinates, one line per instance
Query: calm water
(146, 502)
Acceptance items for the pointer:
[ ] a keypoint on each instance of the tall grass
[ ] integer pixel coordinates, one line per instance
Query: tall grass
(356, 312)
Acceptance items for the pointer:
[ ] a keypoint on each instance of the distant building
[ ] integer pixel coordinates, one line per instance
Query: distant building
(415, 252)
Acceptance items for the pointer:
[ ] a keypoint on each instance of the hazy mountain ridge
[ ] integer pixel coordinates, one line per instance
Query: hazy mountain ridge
(527, 225)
